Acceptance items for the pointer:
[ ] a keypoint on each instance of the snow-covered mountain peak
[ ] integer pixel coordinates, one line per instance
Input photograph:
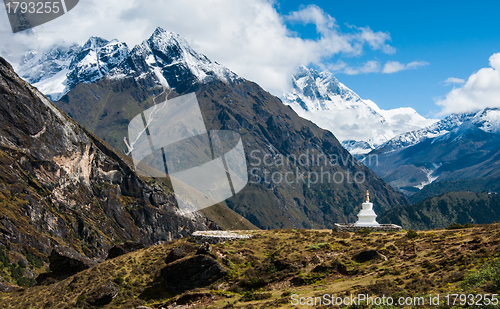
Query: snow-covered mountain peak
(171, 43)
(321, 98)
(57, 70)
(170, 60)
(486, 120)
(95, 59)
(165, 57)
(315, 91)
(36, 66)
(95, 42)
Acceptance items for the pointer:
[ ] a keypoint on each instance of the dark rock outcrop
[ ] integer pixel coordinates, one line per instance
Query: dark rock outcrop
(66, 261)
(48, 278)
(194, 272)
(187, 300)
(332, 266)
(366, 256)
(283, 264)
(103, 295)
(124, 248)
(179, 253)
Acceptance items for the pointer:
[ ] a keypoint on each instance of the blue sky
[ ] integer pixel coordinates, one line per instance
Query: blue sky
(456, 38)
(266, 40)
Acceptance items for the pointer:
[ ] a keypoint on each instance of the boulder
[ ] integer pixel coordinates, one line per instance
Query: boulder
(282, 264)
(194, 272)
(124, 248)
(103, 295)
(8, 287)
(333, 266)
(66, 261)
(205, 249)
(178, 253)
(188, 300)
(366, 256)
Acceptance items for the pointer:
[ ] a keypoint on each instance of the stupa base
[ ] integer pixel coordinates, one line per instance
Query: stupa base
(351, 227)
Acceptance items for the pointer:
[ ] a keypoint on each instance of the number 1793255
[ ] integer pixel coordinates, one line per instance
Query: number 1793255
(33, 7)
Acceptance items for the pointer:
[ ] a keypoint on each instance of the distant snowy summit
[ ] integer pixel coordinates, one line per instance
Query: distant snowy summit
(460, 146)
(168, 58)
(455, 125)
(60, 69)
(165, 58)
(359, 124)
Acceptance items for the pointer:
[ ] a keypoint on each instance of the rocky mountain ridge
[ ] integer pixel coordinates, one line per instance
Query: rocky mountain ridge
(60, 69)
(169, 60)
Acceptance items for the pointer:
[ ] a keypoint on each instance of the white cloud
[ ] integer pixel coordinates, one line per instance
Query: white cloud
(248, 36)
(453, 80)
(416, 64)
(373, 66)
(396, 66)
(481, 90)
(369, 67)
(377, 40)
(393, 66)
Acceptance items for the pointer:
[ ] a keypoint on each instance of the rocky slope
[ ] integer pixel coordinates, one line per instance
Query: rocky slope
(62, 185)
(359, 124)
(458, 147)
(269, 130)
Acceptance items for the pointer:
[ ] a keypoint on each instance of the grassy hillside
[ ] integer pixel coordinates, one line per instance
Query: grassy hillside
(275, 267)
(444, 210)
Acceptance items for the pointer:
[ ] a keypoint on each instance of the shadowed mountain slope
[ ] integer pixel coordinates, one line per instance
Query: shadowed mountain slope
(61, 185)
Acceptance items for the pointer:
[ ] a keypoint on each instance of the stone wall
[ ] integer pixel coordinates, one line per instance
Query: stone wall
(215, 237)
(353, 228)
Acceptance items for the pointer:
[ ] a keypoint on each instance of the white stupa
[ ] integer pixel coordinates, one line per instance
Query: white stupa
(366, 217)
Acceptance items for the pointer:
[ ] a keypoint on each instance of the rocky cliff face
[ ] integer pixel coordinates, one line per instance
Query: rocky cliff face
(61, 185)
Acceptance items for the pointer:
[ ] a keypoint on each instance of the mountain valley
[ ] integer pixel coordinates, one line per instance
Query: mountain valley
(268, 129)
(459, 147)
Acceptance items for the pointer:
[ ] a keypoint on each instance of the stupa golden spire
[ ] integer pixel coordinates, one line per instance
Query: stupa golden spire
(367, 196)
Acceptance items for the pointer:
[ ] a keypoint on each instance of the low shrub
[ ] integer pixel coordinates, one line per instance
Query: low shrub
(411, 234)
(457, 226)
(488, 277)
